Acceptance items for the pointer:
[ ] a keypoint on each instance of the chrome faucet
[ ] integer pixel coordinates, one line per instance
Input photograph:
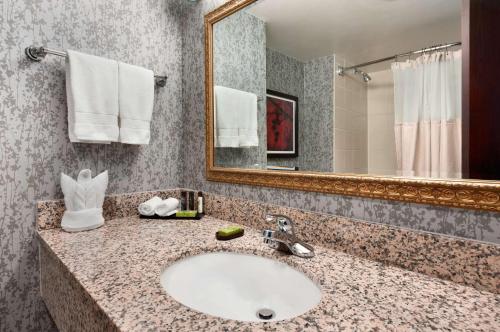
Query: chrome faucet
(284, 238)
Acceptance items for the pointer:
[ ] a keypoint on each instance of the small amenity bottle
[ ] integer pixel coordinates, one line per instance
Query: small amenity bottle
(191, 204)
(200, 202)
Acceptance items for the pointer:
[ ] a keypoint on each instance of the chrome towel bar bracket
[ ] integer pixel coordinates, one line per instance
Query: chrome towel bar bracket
(38, 53)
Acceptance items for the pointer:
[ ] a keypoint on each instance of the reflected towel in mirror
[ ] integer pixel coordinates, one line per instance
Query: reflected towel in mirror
(235, 118)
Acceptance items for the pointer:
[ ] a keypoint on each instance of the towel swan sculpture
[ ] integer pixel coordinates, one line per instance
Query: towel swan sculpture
(83, 199)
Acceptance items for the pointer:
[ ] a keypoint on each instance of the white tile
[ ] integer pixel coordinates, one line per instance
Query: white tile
(340, 139)
(340, 97)
(340, 160)
(348, 100)
(339, 79)
(351, 83)
(380, 123)
(348, 161)
(341, 119)
(382, 159)
(359, 123)
(381, 93)
(357, 140)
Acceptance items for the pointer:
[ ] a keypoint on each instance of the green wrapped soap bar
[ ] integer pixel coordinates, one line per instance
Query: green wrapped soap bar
(229, 233)
(186, 214)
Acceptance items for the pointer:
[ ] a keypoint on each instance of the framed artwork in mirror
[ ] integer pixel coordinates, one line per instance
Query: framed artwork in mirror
(282, 124)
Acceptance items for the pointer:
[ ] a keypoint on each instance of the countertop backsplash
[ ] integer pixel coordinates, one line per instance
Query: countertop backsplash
(467, 262)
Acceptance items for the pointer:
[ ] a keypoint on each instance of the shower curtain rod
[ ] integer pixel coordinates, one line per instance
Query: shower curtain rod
(38, 53)
(341, 69)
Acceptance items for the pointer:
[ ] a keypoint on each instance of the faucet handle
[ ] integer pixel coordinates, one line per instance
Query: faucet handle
(285, 224)
(270, 217)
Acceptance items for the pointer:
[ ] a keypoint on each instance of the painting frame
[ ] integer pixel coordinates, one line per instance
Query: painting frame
(276, 95)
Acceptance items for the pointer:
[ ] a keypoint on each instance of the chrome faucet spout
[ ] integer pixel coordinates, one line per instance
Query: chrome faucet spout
(284, 238)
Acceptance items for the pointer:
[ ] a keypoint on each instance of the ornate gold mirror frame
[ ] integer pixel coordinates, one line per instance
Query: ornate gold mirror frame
(473, 194)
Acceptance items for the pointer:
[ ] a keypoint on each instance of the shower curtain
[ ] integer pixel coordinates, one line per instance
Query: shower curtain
(428, 112)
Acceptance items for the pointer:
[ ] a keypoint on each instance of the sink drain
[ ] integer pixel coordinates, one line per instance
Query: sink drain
(265, 314)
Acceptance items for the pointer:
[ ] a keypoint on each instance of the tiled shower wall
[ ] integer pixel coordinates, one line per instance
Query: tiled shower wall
(458, 222)
(351, 127)
(381, 142)
(34, 146)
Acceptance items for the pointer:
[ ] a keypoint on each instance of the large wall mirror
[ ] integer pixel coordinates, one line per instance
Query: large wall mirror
(361, 97)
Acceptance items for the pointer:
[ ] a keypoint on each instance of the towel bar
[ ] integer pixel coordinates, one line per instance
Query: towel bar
(38, 53)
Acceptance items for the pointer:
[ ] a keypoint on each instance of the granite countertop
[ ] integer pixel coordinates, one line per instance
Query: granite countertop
(119, 266)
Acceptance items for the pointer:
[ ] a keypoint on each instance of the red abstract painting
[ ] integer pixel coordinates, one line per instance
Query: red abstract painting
(281, 124)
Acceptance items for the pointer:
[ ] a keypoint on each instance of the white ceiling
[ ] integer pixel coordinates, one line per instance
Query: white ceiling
(360, 30)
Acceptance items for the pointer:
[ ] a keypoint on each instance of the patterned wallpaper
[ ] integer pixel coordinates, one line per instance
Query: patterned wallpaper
(478, 225)
(34, 145)
(317, 129)
(240, 63)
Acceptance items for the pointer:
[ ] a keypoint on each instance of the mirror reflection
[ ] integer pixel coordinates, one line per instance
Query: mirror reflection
(343, 86)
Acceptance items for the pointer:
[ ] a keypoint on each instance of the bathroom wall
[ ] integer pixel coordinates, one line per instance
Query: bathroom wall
(240, 63)
(381, 140)
(317, 118)
(34, 146)
(351, 150)
(286, 75)
(459, 222)
(312, 83)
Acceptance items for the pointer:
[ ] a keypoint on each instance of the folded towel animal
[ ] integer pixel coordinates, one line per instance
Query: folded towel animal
(136, 86)
(235, 118)
(148, 208)
(167, 207)
(92, 95)
(83, 199)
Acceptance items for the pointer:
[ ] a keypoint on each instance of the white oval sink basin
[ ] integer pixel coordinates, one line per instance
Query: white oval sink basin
(239, 286)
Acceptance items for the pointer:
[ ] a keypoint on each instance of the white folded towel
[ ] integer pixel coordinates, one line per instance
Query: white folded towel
(148, 208)
(167, 207)
(136, 86)
(83, 220)
(235, 118)
(83, 199)
(92, 94)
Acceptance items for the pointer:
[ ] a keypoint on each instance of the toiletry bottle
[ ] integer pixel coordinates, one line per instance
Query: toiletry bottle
(186, 200)
(200, 202)
(183, 201)
(191, 201)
